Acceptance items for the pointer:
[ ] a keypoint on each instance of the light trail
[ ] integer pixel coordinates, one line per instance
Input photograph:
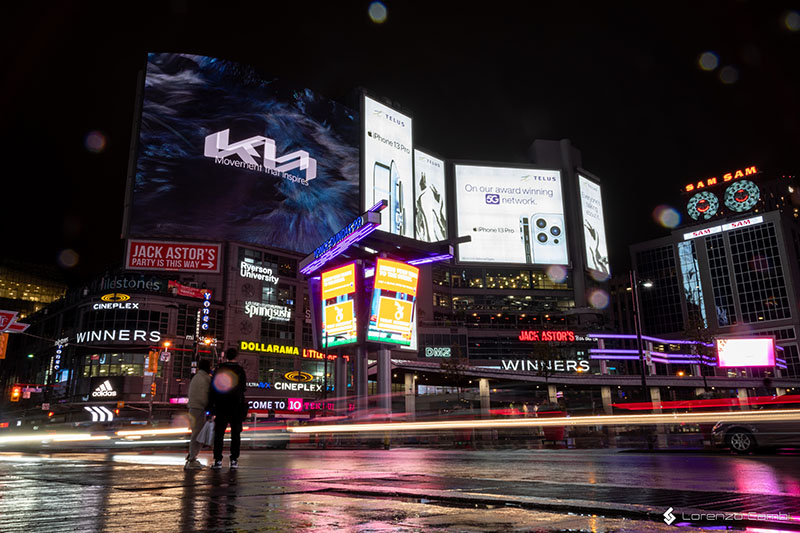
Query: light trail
(625, 420)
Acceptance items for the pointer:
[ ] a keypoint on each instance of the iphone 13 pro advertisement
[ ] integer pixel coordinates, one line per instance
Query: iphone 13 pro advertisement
(430, 206)
(388, 172)
(226, 153)
(594, 229)
(514, 215)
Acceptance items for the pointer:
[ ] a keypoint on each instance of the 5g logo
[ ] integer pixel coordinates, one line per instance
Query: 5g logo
(493, 199)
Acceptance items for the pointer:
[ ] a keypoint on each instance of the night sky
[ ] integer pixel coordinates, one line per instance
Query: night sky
(481, 80)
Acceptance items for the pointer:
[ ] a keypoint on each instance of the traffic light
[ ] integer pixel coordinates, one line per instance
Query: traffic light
(152, 361)
(16, 392)
(153, 388)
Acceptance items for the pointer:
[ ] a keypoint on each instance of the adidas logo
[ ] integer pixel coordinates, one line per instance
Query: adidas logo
(104, 390)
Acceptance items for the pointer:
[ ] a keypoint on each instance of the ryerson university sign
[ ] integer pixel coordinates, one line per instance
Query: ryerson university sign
(218, 147)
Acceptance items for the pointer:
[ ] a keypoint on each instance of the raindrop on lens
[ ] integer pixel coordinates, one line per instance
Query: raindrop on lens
(708, 61)
(599, 299)
(68, 258)
(557, 274)
(377, 12)
(95, 142)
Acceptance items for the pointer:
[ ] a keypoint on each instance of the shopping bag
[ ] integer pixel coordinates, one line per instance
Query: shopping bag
(206, 435)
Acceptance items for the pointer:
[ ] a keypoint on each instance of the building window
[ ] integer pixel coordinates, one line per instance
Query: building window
(720, 281)
(661, 304)
(692, 287)
(759, 274)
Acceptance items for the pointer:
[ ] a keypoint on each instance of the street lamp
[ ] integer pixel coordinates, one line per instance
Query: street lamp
(638, 325)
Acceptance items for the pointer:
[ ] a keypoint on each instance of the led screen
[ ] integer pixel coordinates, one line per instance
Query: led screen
(388, 166)
(594, 228)
(391, 317)
(338, 306)
(430, 208)
(746, 352)
(227, 154)
(514, 215)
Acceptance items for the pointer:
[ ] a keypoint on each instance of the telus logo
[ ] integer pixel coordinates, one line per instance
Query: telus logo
(219, 147)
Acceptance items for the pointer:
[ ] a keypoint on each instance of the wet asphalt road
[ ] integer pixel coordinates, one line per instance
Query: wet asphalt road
(395, 490)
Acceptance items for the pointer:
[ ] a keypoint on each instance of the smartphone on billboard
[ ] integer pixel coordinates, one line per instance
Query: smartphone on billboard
(525, 235)
(381, 183)
(548, 242)
(398, 210)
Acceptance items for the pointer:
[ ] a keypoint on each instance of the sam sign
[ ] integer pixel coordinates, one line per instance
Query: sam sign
(338, 306)
(172, 256)
(391, 318)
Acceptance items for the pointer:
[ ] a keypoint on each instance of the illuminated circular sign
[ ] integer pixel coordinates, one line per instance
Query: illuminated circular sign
(301, 377)
(703, 204)
(742, 196)
(115, 297)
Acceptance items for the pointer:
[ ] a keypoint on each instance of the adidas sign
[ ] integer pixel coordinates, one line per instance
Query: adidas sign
(104, 390)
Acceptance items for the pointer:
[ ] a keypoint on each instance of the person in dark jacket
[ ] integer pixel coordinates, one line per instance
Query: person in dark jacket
(228, 405)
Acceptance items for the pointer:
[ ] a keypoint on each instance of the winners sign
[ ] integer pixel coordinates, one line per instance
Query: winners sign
(391, 318)
(338, 306)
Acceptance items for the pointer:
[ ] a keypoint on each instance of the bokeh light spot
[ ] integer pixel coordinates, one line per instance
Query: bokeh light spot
(599, 276)
(557, 274)
(708, 61)
(599, 299)
(95, 142)
(224, 381)
(667, 216)
(68, 258)
(729, 75)
(377, 12)
(792, 21)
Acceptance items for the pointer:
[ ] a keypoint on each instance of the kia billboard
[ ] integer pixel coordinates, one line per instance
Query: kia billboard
(430, 207)
(594, 229)
(388, 172)
(759, 351)
(514, 215)
(225, 153)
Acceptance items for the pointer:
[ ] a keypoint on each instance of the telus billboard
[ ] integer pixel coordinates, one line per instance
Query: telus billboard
(594, 229)
(226, 154)
(388, 166)
(514, 215)
(430, 206)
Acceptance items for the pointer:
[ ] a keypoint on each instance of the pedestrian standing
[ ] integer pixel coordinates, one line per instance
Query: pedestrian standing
(199, 389)
(228, 405)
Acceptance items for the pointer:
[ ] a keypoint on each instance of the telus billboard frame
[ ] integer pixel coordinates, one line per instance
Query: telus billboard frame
(446, 192)
(583, 173)
(454, 201)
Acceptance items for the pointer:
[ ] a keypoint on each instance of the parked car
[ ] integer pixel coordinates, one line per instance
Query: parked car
(745, 437)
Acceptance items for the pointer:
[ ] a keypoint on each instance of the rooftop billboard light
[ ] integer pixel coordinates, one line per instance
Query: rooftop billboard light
(745, 352)
(225, 153)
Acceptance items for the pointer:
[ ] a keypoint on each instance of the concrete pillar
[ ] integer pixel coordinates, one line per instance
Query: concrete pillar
(695, 370)
(601, 344)
(362, 381)
(483, 387)
(605, 392)
(779, 391)
(384, 381)
(340, 385)
(655, 397)
(652, 365)
(742, 394)
(699, 390)
(410, 394)
(551, 393)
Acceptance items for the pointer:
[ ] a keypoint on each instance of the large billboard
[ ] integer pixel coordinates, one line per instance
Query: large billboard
(594, 228)
(227, 154)
(430, 206)
(513, 214)
(391, 317)
(388, 172)
(338, 289)
(759, 351)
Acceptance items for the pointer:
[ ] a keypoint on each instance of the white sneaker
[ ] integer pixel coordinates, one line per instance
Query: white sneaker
(193, 465)
(217, 465)
(234, 464)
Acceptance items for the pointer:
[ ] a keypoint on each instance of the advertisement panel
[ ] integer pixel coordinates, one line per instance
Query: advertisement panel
(391, 317)
(514, 215)
(174, 256)
(225, 153)
(430, 207)
(338, 306)
(759, 351)
(594, 228)
(388, 166)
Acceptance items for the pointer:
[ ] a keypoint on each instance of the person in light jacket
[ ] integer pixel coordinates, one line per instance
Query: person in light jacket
(199, 389)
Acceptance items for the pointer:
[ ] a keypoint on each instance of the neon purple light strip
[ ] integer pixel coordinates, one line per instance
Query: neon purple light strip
(644, 337)
(432, 259)
(365, 230)
(378, 207)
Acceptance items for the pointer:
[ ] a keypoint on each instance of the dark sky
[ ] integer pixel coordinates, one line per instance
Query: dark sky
(481, 80)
